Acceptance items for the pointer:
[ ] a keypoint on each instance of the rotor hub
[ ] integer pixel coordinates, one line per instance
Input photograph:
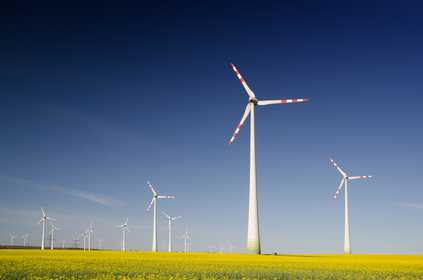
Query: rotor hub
(253, 100)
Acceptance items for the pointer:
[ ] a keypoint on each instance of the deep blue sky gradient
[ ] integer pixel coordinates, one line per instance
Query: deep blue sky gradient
(98, 98)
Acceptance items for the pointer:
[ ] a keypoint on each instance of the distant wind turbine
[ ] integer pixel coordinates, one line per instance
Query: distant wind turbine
(25, 239)
(253, 238)
(154, 204)
(12, 239)
(170, 220)
(231, 247)
(90, 231)
(76, 242)
(344, 184)
(53, 229)
(187, 237)
(125, 229)
(84, 237)
(43, 221)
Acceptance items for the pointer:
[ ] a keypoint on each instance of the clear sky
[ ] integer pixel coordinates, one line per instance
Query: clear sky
(96, 99)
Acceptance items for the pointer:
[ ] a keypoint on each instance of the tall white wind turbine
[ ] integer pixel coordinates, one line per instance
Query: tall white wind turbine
(153, 203)
(253, 238)
(344, 184)
(124, 228)
(170, 220)
(43, 221)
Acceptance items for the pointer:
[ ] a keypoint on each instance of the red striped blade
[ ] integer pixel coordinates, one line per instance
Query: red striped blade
(243, 82)
(282, 101)
(241, 123)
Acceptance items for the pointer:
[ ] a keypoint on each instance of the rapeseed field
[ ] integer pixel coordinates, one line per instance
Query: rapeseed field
(70, 264)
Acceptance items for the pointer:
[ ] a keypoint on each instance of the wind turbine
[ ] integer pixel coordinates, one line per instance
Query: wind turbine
(253, 238)
(170, 220)
(25, 239)
(89, 232)
(44, 220)
(230, 247)
(76, 242)
(53, 229)
(186, 236)
(125, 229)
(63, 244)
(12, 239)
(344, 184)
(84, 237)
(100, 243)
(154, 204)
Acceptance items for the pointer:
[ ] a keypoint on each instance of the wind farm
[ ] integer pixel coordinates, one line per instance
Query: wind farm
(320, 267)
(211, 140)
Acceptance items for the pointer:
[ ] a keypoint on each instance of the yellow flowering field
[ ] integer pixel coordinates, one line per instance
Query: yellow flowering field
(70, 264)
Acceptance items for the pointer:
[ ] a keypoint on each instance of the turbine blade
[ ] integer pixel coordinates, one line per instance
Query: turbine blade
(50, 219)
(243, 82)
(126, 222)
(282, 101)
(44, 213)
(359, 177)
(338, 190)
(166, 196)
(166, 215)
(339, 168)
(151, 188)
(175, 218)
(151, 204)
(241, 123)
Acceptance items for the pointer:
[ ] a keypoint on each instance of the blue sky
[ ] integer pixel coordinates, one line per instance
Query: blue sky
(98, 99)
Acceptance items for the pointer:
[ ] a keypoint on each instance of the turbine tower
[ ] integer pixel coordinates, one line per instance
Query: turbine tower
(125, 229)
(253, 238)
(153, 203)
(53, 229)
(344, 184)
(170, 220)
(44, 220)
